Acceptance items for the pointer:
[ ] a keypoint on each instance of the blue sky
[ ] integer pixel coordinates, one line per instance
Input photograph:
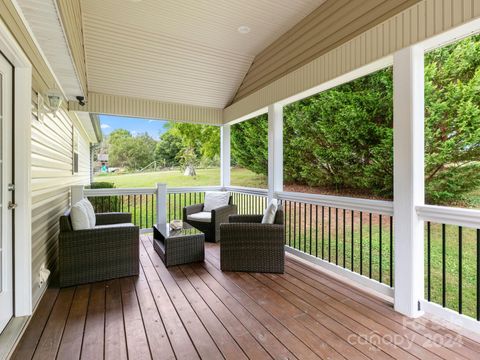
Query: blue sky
(136, 126)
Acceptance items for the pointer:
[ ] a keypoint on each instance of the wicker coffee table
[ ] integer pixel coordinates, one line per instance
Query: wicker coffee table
(177, 247)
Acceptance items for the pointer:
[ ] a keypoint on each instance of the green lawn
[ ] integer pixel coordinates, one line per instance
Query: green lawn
(175, 178)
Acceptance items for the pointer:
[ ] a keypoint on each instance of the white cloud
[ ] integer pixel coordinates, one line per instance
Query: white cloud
(104, 126)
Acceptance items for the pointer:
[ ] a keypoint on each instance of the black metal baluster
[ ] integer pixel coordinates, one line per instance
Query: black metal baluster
(361, 243)
(122, 203)
(336, 236)
(284, 204)
(323, 232)
(329, 233)
(370, 245)
(169, 207)
(300, 212)
(460, 265)
(289, 223)
(174, 206)
(146, 210)
(141, 206)
(128, 203)
(316, 230)
(391, 251)
(429, 261)
(310, 229)
(304, 227)
(444, 271)
(380, 253)
(478, 274)
(294, 225)
(353, 238)
(344, 237)
(135, 209)
(153, 207)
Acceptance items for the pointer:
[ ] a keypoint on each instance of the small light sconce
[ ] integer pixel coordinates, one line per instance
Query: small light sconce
(54, 100)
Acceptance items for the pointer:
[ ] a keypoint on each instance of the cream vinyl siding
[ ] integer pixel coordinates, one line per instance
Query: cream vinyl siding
(52, 144)
(417, 23)
(51, 164)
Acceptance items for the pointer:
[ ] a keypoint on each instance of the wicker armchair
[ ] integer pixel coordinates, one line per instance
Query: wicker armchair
(219, 216)
(248, 245)
(110, 250)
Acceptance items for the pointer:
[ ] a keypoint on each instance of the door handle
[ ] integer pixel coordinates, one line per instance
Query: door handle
(11, 205)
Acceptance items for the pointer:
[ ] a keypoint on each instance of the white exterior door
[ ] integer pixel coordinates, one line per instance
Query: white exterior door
(6, 193)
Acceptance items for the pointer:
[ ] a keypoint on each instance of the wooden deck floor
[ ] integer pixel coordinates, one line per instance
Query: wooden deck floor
(196, 311)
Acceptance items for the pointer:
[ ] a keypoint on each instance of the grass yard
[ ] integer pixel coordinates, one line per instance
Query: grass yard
(175, 178)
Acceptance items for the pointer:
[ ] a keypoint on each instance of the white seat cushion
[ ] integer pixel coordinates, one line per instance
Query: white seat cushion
(270, 212)
(203, 216)
(79, 216)
(90, 212)
(113, 225)
(215, 199)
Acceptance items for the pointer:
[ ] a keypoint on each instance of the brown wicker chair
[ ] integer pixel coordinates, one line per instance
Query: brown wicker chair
(107, 252)
(248, 245)
(219, 216)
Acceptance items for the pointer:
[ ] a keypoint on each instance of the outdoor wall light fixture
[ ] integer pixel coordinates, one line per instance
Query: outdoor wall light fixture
(54, 100)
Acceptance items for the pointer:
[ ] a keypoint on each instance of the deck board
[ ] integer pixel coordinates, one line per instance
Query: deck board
(197, 311)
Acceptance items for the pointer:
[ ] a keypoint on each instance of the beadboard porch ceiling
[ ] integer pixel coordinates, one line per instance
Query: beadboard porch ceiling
(187, 52)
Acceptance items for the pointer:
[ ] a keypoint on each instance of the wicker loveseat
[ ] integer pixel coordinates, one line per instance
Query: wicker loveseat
(110, 250)
(210, 228)
(248, 245)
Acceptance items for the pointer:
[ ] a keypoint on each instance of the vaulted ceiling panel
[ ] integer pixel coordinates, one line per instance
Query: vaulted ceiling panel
(180, 51)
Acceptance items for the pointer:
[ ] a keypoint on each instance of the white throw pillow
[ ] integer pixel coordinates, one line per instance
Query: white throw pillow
(90, 212)
(270, 212)
(79, 216)
(215, 199)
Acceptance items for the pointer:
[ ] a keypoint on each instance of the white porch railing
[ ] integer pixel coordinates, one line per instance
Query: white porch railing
(351, 237)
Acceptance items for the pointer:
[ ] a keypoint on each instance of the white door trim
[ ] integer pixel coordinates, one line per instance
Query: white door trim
(22, 248)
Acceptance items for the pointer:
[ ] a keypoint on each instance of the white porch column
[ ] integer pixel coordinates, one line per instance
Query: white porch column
(161, 204)
(225, 155)
(275, 149)
(408, 175)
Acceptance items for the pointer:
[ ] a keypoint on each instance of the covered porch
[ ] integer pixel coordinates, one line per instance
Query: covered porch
(360, 279)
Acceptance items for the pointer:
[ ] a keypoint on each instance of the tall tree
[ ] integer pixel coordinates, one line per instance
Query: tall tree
(133, 152)
(168, 148)
(118, 142)
(343, 138)
(452, 109)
